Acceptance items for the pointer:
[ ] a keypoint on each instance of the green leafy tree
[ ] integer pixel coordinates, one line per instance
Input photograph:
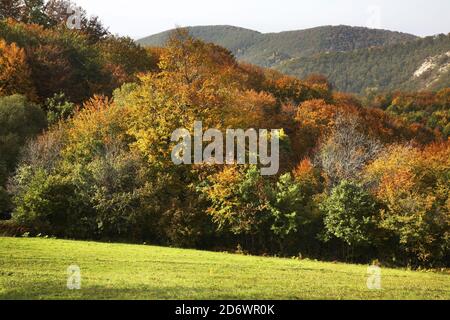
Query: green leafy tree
(239, 202)
(50, 204)
(58, 108)
(285, 205)
(19, 120)
(350, 214)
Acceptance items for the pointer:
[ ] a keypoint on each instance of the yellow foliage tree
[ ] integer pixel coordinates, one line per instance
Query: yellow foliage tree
(414, 185)
(14, 71)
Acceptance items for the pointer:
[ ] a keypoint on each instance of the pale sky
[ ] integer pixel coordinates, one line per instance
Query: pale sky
(140, 18)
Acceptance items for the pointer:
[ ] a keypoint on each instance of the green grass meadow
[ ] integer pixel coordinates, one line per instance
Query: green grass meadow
(37, 269)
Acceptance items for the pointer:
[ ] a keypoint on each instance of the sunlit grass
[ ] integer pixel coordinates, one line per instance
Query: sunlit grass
(37, 269)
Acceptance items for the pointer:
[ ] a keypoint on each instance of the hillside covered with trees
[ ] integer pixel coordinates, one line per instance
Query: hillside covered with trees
(420, 64)
(269, 49)
(86, 120)
(354, 59)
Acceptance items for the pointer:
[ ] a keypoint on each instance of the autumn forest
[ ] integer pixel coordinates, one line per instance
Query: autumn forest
(85, 151)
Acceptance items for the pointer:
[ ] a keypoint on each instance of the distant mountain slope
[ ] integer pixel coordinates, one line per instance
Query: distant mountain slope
(277, 47)
(420, 64)
(353, 58)
(232, 38)
(270, 49)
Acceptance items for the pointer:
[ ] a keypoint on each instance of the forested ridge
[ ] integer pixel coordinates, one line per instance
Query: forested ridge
(354, 59)
(86, 120)
(268, 49)
(382, 69)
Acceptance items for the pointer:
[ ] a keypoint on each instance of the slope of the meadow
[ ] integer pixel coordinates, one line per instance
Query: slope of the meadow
(37, 269)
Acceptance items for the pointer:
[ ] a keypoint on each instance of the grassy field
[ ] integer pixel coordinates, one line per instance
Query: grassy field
(36, 269)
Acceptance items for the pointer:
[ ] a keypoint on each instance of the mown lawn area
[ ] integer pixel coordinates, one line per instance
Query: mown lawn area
(37, 269)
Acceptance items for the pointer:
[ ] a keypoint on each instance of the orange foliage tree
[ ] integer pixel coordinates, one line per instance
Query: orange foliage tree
(14, 70)
(414, 185)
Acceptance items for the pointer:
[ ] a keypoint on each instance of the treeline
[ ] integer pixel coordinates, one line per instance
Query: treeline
(355, 183)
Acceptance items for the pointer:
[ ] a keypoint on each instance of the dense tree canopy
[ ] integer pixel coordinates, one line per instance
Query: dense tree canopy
(85, 151)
